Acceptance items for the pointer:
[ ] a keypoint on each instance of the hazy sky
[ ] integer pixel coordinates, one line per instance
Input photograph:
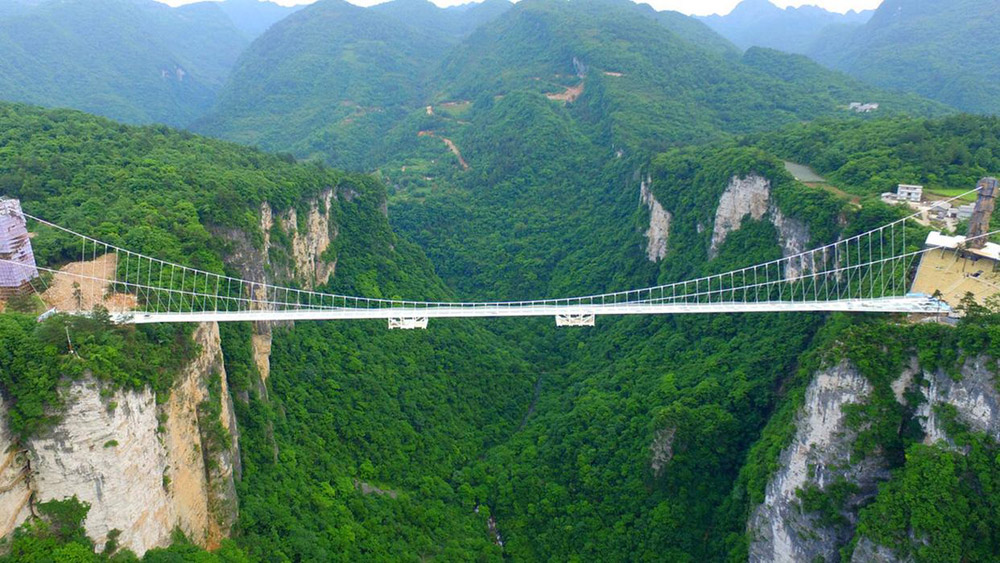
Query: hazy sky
(698, 7)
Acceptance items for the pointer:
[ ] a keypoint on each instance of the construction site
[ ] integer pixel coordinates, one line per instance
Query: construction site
(961, 265)
(15, 249)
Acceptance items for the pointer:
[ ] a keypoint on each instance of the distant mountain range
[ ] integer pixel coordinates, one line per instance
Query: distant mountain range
(941, 50)
(137, 61)
(936, 49)
(253, 17)
(133, 60)
(333, 79)
(759, 23)
(445, 23)
(314, 70)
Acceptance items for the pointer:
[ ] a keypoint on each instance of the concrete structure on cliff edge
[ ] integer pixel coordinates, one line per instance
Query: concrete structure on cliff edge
(961, 265)
(17, 268)
(979, 223)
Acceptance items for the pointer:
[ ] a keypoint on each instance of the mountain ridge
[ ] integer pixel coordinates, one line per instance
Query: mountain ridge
(792, 29)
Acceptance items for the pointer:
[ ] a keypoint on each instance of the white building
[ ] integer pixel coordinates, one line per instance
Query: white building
(965, 211)
(863, 108)
(909, 192)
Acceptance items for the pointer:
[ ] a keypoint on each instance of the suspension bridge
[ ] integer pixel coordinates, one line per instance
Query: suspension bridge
(868, 272)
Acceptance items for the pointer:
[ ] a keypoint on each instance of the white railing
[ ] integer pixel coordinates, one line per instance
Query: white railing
(869, 271)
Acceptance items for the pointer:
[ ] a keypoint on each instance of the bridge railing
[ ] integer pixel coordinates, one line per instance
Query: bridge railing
(871, 265)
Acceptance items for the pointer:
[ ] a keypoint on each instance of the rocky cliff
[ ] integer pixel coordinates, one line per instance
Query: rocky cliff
(819, 456)
(658, 232)
(743, 196)
(974, 395)
(303, 259)
(15, 473)
(145, 468)
(750, 196)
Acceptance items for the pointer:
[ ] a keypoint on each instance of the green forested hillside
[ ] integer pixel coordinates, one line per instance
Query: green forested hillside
(512, 162)
(327, 82)
(450, 24)
(871, 158)
(552, 107)
(129, 60)
(647, 83)
(635, 77)
(925, 46)
(254, 17)
(546, 434)
(348, 402)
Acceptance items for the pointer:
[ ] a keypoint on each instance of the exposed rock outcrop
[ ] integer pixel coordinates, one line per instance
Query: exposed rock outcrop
(140, 477)
(309, 244)
(658, 232)
(867, 551)
(974, 396)
(15, 489)
(793, 236)
(111, 458)
(743, 196)
(818, 455)
(304, 263)
(202, 472)
(662, 449)
(751, 196)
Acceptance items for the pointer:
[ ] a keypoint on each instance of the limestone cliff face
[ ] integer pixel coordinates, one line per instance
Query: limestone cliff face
(309, 244)
(140, 477)
(977, 405)
(974, 397)
(305, 262)
(658, 232)
(793, 235)
(751, 196)
(15, 490)
(743, 196)
(201, 472)
(819, 455)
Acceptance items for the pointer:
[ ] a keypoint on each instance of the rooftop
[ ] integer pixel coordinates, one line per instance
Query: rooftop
(938, 240)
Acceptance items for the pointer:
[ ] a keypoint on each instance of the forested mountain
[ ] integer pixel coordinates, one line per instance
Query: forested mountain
(553, 126)
(928, 47)
(193, 200)
(330, 75)
(669, 77)
(559, 148)
(451, 23)
(135, 61)
(759, 23)
(642, 438)
(253, 17)
(921, 46)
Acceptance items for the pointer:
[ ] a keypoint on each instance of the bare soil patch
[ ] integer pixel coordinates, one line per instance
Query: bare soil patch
(93, 289)
(569, 95)
(451, 146)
